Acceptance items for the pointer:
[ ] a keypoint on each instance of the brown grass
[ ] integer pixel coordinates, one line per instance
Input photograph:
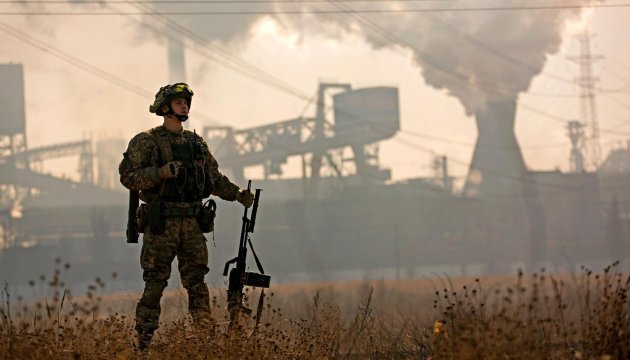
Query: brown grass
(538, 316)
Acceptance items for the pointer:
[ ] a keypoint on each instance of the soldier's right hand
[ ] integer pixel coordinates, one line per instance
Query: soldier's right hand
(170, 170)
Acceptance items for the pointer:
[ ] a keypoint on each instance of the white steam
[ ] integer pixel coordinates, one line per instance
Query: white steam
(476, 56)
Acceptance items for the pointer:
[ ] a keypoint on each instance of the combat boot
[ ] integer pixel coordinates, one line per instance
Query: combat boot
(144, 340)
(147, 321)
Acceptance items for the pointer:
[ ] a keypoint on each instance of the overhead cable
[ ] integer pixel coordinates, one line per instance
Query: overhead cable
(85, 66)
(304, 11)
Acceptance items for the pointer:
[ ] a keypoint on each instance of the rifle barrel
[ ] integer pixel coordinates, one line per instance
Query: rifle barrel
(252, 221)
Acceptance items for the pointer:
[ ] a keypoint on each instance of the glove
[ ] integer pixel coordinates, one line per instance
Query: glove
(170, 170)
(245, 197)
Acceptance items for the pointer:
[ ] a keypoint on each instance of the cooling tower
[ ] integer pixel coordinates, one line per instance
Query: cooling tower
(499, 177)
(497, 165)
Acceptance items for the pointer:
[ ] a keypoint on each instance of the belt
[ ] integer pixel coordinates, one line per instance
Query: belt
(182, 209)
(181, 212)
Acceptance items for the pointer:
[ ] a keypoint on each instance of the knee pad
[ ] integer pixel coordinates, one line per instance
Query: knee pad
(153, 293)
(193, 275)
(199, 290)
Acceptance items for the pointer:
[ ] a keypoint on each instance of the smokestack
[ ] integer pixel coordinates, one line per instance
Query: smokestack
(177, 65)
(176, 61)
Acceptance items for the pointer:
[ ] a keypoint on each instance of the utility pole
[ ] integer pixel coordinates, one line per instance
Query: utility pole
(588, 110)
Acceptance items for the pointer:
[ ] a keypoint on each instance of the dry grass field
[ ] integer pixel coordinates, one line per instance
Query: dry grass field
(533, 316)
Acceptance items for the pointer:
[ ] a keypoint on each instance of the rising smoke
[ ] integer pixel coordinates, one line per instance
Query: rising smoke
(476, 56)
(488, 56)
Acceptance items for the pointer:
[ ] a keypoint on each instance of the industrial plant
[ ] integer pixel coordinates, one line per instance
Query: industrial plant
(343, 217)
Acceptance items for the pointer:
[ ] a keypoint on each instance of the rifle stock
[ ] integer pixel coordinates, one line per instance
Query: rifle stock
(132, 225)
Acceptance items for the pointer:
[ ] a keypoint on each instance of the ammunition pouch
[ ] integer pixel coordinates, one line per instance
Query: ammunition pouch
(256, 280)
(141, 217)
(206, 215)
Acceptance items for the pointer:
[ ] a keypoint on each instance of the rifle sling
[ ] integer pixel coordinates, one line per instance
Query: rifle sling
(260, 268)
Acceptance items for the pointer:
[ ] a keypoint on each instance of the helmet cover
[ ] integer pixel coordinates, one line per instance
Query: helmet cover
(168, 93)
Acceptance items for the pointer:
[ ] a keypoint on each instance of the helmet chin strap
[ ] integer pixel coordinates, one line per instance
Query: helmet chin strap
(181, 118)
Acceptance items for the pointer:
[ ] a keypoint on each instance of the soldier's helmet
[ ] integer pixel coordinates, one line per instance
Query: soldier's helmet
(168, 93)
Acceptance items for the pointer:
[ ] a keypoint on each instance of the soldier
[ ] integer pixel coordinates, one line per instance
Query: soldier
(173, 170)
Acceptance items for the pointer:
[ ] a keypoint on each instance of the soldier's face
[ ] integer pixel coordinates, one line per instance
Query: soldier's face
(179, 106)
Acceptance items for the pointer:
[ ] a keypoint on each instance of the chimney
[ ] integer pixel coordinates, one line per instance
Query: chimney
(176, 61)
(177, 65)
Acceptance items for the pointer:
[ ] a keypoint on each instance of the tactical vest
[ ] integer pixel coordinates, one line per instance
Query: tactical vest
(192, 183)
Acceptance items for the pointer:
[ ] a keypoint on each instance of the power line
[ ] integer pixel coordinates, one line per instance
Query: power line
(264, 75)
(461, 162)
(623, 80)
(621, 124)
(231, 60)
(190, 34)
(303, 12)
(121, 82)
(559, 187)
(431, 61)
(471, 144)
(564, 120)
(492, 50)
(382, 32)
(495, 51)
(515, 178)
(259, 75)
(158, 2)
(621, 90)
(505, 57)
(42, 46)
(617, 101)
(304, 97)
(474, 41)
(85, 66)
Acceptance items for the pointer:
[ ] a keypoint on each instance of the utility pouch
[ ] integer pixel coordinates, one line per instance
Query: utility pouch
(141, 217)
(206, 216)
(156, 220)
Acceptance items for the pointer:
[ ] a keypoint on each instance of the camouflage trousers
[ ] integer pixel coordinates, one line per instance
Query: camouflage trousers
(183, 239)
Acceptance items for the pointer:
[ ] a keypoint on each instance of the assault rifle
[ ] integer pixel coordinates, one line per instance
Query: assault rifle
(132, 225)
(240, 278)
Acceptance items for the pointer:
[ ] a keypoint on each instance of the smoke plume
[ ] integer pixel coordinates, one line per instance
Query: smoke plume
(476, 56)
(490, 56)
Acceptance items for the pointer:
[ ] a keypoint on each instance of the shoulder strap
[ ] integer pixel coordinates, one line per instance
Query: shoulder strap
(190, 136)
(160, 137)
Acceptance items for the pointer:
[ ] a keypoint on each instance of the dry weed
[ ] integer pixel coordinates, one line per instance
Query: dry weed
(540, 316)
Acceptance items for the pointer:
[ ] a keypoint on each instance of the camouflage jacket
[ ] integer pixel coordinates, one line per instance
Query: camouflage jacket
(139, 168)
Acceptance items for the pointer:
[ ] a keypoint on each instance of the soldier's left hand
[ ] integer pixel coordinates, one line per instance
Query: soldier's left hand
(245, 197)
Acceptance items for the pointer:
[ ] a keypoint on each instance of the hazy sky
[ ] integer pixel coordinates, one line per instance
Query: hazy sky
(65, 103)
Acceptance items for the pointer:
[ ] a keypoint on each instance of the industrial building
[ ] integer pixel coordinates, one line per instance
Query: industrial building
(342, 218)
